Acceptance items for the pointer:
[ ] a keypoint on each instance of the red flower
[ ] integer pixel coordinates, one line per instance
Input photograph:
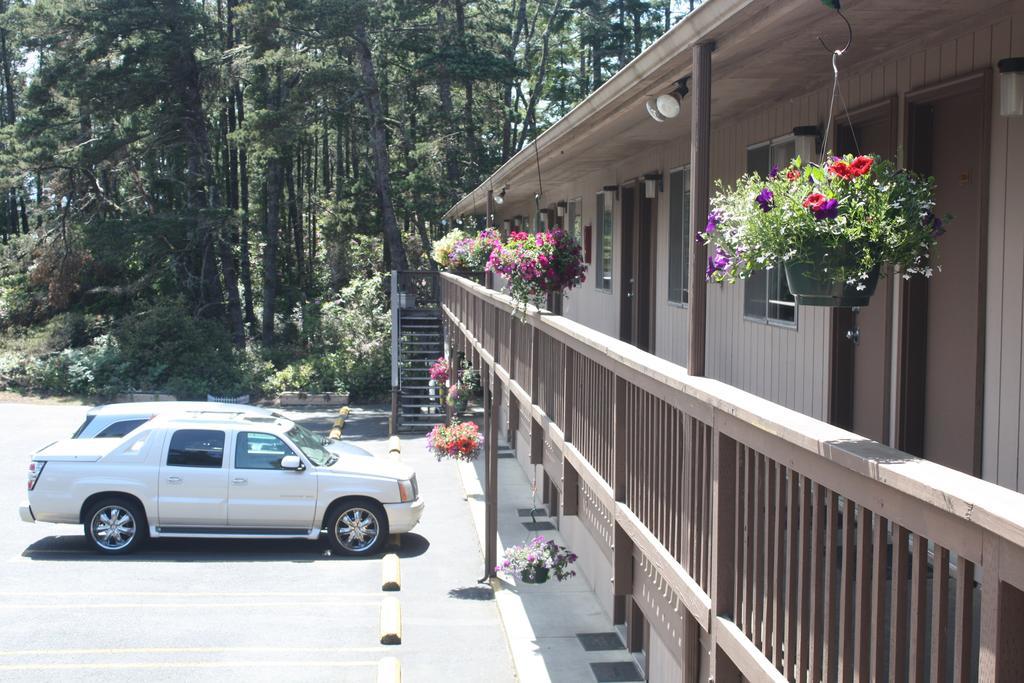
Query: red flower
(861, 166)
(841, 169)
(793, 174)
(814, 199)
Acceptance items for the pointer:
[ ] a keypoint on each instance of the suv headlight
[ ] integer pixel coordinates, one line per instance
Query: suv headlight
(406, 491)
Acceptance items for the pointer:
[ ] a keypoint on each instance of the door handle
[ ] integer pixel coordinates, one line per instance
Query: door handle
(239, 480)
(173, 480)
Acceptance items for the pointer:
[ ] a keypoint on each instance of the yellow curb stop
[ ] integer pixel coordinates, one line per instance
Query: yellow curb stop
(389, 670)
(335, 434)
(392, 570)
(390, 622)
(395, 446)
(343, 411)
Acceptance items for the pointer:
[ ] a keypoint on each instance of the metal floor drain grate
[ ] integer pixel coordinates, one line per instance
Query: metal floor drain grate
(538, 526)
(616, 672)
(596, 642)
(525, 512)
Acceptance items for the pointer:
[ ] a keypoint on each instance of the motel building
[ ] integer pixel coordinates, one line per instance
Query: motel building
(759, 490)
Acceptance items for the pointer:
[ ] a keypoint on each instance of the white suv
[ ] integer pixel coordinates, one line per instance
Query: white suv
(226, 477)
(115, 420)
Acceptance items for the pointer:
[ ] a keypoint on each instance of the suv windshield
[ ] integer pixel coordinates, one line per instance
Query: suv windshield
(312, 446)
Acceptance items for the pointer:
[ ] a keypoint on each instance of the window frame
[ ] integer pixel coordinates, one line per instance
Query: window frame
(223, 452)
(778, 271)
(574, 215)
(238, 451)
(599, 269)
(687, 238)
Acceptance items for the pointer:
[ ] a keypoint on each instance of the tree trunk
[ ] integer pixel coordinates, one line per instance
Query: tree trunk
(379, 143)
(272, 228)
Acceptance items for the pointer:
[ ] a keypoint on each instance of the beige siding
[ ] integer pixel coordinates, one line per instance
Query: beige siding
(1001, 443)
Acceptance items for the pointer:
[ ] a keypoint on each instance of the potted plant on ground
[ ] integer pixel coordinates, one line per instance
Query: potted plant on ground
(536, 561)
(833, 226)
(455, 441)
(534, 265)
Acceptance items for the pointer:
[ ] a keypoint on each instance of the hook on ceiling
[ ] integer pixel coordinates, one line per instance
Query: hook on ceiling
(849, 29)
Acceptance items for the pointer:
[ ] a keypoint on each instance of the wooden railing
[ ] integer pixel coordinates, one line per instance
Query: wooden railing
(803, 551)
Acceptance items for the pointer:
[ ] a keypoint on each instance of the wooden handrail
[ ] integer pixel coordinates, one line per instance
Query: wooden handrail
(998, 509)
(770, 527)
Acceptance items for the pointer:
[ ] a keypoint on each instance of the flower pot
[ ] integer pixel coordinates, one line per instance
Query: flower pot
(538, 575)
(810, 288)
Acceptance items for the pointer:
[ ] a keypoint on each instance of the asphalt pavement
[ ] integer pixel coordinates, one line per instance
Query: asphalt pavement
(228, 610)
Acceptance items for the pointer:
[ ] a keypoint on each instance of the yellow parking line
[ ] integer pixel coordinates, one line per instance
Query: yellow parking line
(151, 605)
(176, 650)
(290, 663)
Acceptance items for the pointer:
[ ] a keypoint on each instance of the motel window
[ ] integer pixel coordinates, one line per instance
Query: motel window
(679, 235)
(766, 295)
(574, 219)
(605, 227)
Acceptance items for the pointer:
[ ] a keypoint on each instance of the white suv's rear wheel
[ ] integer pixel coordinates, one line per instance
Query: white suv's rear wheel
(115, 526)
(359, 527)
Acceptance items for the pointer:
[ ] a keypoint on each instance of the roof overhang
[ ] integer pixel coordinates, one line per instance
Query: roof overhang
(766, 51)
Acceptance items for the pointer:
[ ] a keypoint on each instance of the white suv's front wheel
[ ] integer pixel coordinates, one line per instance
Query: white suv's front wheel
(359, 527)
(115, 526)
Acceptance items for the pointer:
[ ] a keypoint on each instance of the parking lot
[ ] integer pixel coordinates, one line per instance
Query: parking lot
(231, 610)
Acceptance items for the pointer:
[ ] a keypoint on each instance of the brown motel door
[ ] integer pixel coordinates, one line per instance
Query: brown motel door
(941, 320)
(636, 301)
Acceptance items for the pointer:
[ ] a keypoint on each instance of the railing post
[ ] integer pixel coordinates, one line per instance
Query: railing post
(567, 394)
(492, 403)
(396, 389)
(619, 418)
(723, 549)
(1001, 653)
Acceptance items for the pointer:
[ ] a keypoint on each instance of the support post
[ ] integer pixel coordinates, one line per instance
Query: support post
(489, 222)
(492, 406)
(396, 385)
(700, 200)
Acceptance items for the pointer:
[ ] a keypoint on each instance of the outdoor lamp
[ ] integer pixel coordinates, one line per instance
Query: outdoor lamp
(667, 106)
(652, 183)
(560, 209)
(611, 193)
(1011, 86)
(806, 138)
(499, 198)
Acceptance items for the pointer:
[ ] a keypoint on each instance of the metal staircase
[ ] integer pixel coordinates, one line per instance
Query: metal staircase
(417, 340)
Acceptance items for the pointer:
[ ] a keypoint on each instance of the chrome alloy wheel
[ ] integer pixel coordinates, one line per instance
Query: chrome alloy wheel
(357, 529)
(113, 527)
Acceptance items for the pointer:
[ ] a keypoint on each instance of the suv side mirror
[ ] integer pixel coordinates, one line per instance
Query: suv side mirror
(291, 462)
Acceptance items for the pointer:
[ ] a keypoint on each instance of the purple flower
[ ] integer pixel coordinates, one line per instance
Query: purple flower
(766, 199)
(828, 208)
(935, 223)
(717, 262)
(714, 219)
(774, 172)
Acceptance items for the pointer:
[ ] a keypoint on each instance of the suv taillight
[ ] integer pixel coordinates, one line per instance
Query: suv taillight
(35, 468)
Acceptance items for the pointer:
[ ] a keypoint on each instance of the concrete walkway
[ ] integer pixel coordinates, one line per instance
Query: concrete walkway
(542, 622)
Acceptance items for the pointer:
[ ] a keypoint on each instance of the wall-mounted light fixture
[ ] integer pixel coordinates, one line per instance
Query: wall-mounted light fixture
(807, 142)
(667, 106)
(560, 208)
(499, 198)
(652, 185)
(611, 193)
(1011, 86)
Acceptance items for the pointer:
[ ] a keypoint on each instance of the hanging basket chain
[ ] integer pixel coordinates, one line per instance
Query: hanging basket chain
(836, 90)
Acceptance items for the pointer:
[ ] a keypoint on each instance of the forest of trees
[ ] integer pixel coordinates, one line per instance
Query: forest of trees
(203, 195)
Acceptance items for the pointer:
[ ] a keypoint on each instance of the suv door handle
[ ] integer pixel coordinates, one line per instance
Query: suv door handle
(239, 480)
(173, 480)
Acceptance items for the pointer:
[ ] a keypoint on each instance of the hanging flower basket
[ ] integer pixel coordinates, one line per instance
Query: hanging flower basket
(469, 255)
(835, 227)
(536, 265)
(534, 562)
(456, 441)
